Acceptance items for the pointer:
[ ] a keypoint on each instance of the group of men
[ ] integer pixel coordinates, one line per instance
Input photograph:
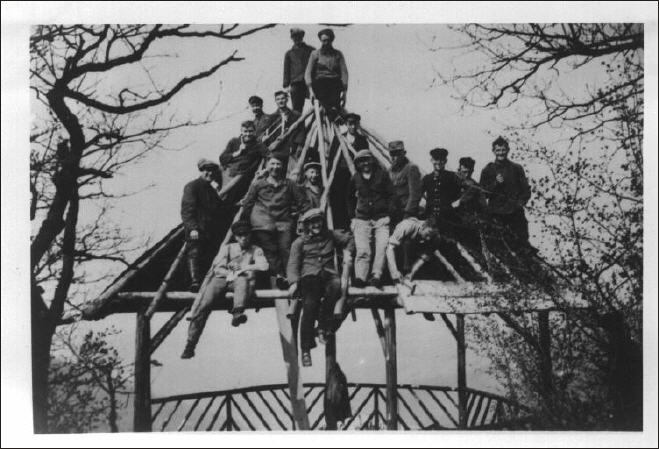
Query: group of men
(378, 217)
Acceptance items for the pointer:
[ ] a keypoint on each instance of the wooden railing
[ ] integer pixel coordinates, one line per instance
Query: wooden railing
(267, 407)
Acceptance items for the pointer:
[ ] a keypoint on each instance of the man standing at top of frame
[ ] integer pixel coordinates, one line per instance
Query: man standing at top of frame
(509, 192)
(295, 64)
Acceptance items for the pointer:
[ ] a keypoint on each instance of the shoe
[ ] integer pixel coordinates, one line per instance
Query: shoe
(376, 282)
(188, 352)
(322, 338)
(306, 359)
(238, 319)
(282, 283)
(359, 283)
(429, 316)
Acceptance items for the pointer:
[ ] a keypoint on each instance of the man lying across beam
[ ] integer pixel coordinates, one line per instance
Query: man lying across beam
(233, 270)
(422, 238)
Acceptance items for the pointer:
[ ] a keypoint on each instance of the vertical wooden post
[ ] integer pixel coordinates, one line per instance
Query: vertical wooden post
(142, 402)
(229, 422)
(462, 370)
(376, 408)
(391, 368)
(544, 340)
(330, 360)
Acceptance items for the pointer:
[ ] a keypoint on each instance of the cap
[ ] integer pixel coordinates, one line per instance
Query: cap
(248, 124)
(396, 145)
(241, 228)
(255, 99)
(203, 162)
(467, 162)
(352, 117)
(439, 153)
(313, 213)
(280, 157)
(281, 92)
(312, 164)
(363, 154)
(297, 32)
(327, 32)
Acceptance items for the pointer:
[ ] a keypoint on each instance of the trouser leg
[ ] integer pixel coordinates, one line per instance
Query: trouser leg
(381, 241)
(243, 288)
(267, 240)
(362, 234)
(310, 287)
(284, 242)
(332, 292)
(193, 258)
(298, 94)
(216, 288)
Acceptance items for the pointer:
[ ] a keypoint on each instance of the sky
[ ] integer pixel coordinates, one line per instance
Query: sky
(391, 75)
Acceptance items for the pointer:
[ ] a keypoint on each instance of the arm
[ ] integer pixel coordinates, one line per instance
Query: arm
(250, 200)
(226, 156)
(394, 242)
(287, 70)
(308, 73)
(389, 193)
(294, 262)
(414, 197)
(260, 262)
(525, 189)
(351, 199)
(221, 262)
(188, 208)
(344, 71)
(487, 181)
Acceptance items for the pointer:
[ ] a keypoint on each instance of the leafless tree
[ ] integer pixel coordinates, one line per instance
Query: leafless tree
(90, 122)
(576, 93)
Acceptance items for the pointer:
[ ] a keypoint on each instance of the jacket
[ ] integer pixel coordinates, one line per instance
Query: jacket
(296, 138)
(441, 190)
(512, 194)
(371, 199)
(232, 252)
(312, 254)
(201, 207)
(407, 187)
(237, 160)
(295, 63)
(272, 207)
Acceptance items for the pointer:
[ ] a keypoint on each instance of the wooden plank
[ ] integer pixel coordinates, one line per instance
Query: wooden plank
(204, 412)
(188, 414)
(443, 408)
(167, 328)
(391, 368)
(165, 282)
(271, 410)
(449, 325)
(217, 413)
(379, 328)
(142, 401)
(462, 371)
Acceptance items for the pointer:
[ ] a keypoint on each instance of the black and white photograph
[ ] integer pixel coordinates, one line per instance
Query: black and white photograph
(385, 220)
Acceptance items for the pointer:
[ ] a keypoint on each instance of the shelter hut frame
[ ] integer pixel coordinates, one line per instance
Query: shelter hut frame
(466, 287)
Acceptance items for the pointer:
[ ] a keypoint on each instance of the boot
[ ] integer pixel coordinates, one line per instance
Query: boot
(306, 359)
(193, 268)
(188, 352)
(239, 318)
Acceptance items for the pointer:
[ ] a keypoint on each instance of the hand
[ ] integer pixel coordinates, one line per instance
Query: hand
(343, 98)
(234, 266)
(194, 235)
(397, 277)
(499, 178)
(262, 173)
(352, 225)
(455, 203)
(292, 289)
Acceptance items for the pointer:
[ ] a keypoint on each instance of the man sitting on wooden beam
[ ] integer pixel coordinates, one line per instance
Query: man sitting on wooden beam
(311, 267)
(233, 270)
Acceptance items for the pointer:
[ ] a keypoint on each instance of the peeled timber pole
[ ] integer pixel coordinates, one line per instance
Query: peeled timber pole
(142, 401)
(391, 368)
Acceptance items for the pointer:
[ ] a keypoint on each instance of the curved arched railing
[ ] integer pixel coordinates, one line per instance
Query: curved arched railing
(267, 407)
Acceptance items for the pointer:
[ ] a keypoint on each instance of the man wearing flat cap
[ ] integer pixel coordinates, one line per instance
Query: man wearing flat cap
(272, 205)
(261, 120)
(295, 64)
(234, 270)
(201, 212)
(406, 178)
(312, 186)
(441, 188)
(370, 204)
(326, 75)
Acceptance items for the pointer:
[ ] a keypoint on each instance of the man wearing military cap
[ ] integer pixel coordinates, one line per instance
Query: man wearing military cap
(295, 65)
(261, 120)
(406, 178)
(233, 270)
(201, 212)
(370, 204)
(441, 188)
(312, 270)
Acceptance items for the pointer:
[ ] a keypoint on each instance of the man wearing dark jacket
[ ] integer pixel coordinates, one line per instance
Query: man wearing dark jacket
(261, 120)
(241, 158)
(326, 74)
(311, 267)
(441, 188)
(471, 204)
(406, 178)
(295, 64)
(370, 204)
(509, 191)
(201, 209)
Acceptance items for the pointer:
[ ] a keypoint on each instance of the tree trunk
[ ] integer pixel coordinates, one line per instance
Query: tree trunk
(42, 334)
